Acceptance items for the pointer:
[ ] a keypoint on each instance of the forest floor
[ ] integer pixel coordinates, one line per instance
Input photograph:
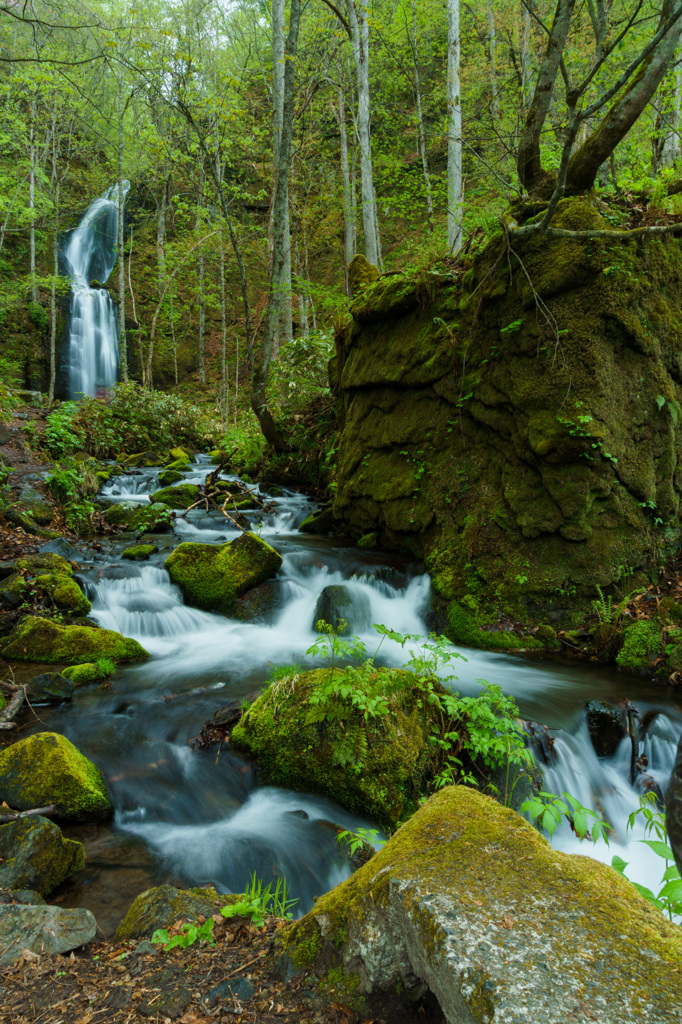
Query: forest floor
(113, 983)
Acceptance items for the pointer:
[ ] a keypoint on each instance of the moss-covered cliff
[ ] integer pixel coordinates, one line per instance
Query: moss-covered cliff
(517, 422)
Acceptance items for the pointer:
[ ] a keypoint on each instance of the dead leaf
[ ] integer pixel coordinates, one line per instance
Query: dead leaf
(507, 921)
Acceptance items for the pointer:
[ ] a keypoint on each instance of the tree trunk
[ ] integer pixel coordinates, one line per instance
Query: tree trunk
(161, 236)
(455, 197)
(525, 55)
(53, 295)
(492, 57)
(528, 165)
(224, 393)
(670, 150)
(122, 344)
(202, 276)
(585, 162)
(32, 201)
(420, 122)
(259, 382)
(348, 239)
(360, 43)
(285, 326)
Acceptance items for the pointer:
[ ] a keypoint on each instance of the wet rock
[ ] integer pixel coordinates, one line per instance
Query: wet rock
(43, 930)
(445, 907)
(140, 460)
(321, 523)
(673, 810)
(6, 433)
(213, 578)
(140, 552)
(163, 905)
(608, 724)
(27, 897)
(90, 672)
(46, 769)
(36, 505)
(19, 518)
(234, 988)
(171, 1003)
(345, 608)
(179, 497)
(35, 855)
(13, 591)
(37, 639)
(153, 518)
(146, 948)
(50, 688)
(260, 604)
(180, 455)
(169, 477)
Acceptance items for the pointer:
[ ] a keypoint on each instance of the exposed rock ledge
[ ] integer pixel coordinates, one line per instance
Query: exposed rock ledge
(469, 900)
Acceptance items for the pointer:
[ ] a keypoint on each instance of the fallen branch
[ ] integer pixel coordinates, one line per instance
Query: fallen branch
(12, 709)
(5, 819)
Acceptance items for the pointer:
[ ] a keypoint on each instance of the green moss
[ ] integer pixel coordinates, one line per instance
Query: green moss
(369, 541)
(377, 768)
(34, 855)
(47, 769)
(139, 552)
(320, 522)
(37, 639)
(82, 675)
(180, 455)
(177, 497)
(480, 859)
(361, 273)
(65, 593)
(154, 518)
(169, 477)
(641, 645)
(213, 577)
(164, 905)
(463, 629)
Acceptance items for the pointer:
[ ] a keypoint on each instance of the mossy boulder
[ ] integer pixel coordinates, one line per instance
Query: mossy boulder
(169, 477)
(164, 905)
(176, 497)
(44, 577)
(139, 552)
(46, 769)
(35, 855)
(214, 577)
(50, 688)
(345, 607)
(320, 522)
(180, 455)
(89, 672)
(36, 505)
(361, 273)
(147, 460)
(18, 517)
(65, 593)
(378, 768)
(641, 645)
(152, 518)
(37, 639)
(468, 901)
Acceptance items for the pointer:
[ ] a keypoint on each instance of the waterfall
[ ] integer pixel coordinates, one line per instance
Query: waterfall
(90, 357)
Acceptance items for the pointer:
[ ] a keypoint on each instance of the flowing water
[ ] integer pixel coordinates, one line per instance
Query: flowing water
(90, 359)
(191, 816)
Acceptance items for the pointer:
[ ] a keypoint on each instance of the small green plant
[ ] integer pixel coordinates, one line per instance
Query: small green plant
(259, 901)
(669, 896)
(187, 936)
(284, 671)
(355, 838)
(549, 809)
(105, 666)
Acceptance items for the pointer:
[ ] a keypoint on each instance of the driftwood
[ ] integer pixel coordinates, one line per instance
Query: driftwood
(11, 710)
(5, 819)
(220, 499)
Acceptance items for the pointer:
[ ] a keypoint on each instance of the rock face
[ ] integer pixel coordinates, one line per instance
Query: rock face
(469, 901)
(35, 855)
(37, 639)
(162, 906)
(43, 930)
(213, 577)
(475, 435)
(376, 769)
(47, 769)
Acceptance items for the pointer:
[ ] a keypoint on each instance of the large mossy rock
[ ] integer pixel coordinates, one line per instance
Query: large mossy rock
(46, 769)
(378, 768)
(50, 688)
(344, 607)
(529, 462)
(35, 855)
(214, 577)
(162, 906)
(469, 901)
(43, 931)
(154, 518)
(46, 576)
(178, 497)
(37, 639)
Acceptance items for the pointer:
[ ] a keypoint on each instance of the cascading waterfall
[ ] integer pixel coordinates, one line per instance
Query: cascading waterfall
(199, 816)
(91, 357)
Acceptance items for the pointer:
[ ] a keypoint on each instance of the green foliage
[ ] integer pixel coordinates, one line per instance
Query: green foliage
(299, 375)
(259, 901)
(669, 896)
(356, 838)
(188, 935)
(243, 444)
(549, 809)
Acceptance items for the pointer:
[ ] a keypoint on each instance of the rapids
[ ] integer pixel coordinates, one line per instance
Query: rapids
(191, 817)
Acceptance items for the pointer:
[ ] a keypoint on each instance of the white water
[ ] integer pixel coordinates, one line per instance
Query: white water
(91, 351)
(206, 821)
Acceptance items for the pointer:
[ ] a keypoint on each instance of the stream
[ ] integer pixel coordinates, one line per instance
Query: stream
(193, 817)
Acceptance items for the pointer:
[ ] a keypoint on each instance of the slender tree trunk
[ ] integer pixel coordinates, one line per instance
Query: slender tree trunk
(285, 326)
(348, 240)
(122, 343)
(529, 167)
(259, 382)
(357, 12)
(455, 196)
(53, 293)
(420, 122)
(236, 382)
(161, 236)
(492, 57)
(35, 296)
(525, 55)
(175, 344)
(670, 151)
(614, 126)
(224, 392)
(202, 277)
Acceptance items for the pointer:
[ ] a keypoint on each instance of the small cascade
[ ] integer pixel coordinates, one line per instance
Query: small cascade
(90, 360)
